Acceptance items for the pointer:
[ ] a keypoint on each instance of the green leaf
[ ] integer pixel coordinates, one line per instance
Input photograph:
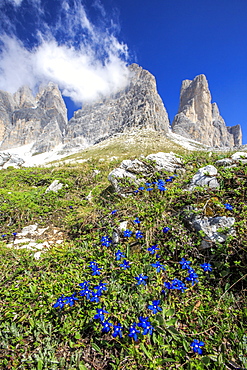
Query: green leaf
(168, 359)
(96, 348)
(77, 336)
(148, 354)
(206, 360)
(82, 366)
(170, 312)
(40, 365)
(171, 329)
(186, 345)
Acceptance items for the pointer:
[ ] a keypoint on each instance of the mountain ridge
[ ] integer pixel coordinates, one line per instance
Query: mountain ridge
(42, 120)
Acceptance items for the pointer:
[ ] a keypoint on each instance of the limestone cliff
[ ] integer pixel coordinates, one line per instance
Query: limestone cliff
(200, 120)
(26, 119)
(137, 106)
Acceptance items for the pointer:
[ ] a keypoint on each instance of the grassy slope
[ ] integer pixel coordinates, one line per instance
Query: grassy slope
(35, 335)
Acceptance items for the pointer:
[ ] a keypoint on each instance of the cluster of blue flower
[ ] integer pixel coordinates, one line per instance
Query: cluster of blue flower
(178, 284)
(144, 322)
(160, 185)
(5, 235)
(92, 295)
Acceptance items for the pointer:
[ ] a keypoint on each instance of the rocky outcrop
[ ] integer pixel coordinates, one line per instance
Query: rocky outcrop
(10, 160)
(200, 120)
(24, 119)
(205, 177)
(134, 172)
(137, 106)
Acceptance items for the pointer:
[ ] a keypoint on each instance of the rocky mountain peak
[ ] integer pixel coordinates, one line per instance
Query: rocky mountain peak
(24, 98)
(137, 106)
(38, 120)
(199, 119)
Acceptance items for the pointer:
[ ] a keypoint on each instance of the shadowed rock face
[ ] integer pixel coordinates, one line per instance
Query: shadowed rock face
(200, 120)
(137, 106)
(25, 119)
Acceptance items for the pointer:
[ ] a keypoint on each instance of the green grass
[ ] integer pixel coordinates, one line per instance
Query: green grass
(35, 335)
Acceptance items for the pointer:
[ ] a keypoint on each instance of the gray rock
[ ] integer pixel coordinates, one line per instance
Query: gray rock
(205, 177)
(200, 120)
(119, 174)
(239, 156)
(211, 226)
(135, 171)
(10, 160)
(169, 162)
(55, 186)
(224, 162)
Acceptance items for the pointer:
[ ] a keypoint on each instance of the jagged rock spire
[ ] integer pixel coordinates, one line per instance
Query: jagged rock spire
(200, 120)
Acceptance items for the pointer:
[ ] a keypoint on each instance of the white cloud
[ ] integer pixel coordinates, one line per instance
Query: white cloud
(86, 71)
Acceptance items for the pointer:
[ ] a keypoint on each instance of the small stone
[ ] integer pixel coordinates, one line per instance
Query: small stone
(55, 186)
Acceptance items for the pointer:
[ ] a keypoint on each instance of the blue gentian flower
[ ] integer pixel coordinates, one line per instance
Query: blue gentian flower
(86, 293)
(71, 207)
(133, 332)
(101, 287)
(141, 188)
(137, 221)
(119, 255)
(95, 296)
(176, 284)
(185, 264)
(146, 325)
(96, 271)
(70, 300)
(141, 279)
(228, 206)
(14, 234)
(190, 270)
(95, 268)
(113, 212)
(117, 331)
(153, 248)
(155, 306)
(192, 277)
(100, 314)
(106, 326)
(84, 285)
(125, 264)
(161, 187)
(206, 266)
(147, 184)
(4, 235)
(158, 266)
(106, 241)
(166, 229)
(60, 302)
(149, 189)
(127, 233)
(139, 235)
(196, 344)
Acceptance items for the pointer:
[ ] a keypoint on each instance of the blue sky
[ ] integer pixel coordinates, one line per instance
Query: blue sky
(84, 46)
